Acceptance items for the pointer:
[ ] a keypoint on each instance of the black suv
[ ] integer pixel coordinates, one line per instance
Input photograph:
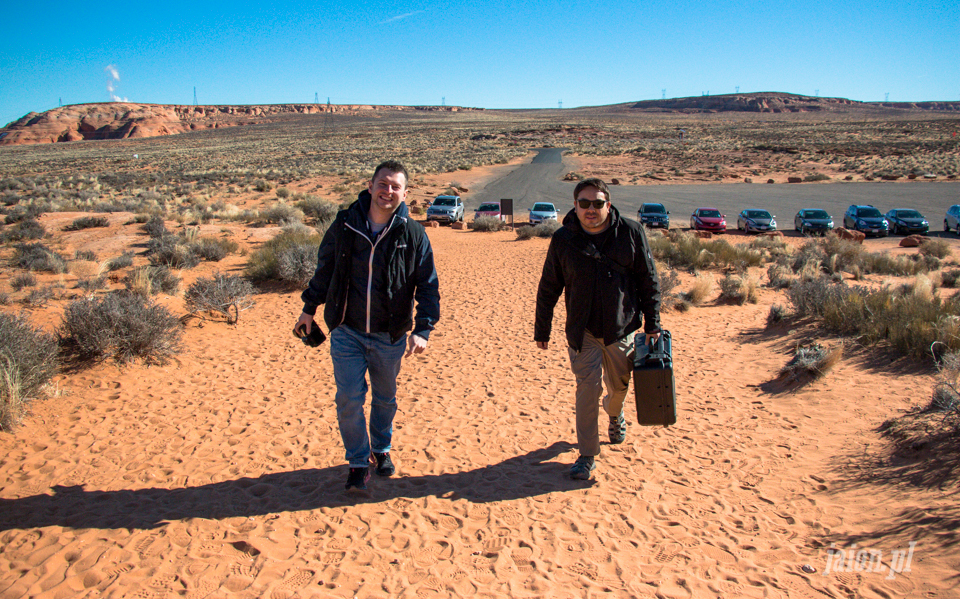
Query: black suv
(866, 219)
(654, 215)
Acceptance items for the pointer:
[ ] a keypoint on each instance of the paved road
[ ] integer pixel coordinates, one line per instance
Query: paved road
(540, 180)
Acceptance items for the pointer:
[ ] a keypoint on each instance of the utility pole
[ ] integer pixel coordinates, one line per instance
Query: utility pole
(738, 89)
(886, 97)
(816, 92)
(560, 104)
(316, 97)
(663, 94)
(443, 101)
(194, 95)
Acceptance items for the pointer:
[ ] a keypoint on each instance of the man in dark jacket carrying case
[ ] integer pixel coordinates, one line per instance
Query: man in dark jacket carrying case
(373, 263)
(602, 263)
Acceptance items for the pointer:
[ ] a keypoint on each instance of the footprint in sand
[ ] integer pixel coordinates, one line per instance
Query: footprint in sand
(667, 553)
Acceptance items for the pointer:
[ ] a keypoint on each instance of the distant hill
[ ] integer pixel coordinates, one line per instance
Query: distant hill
(122, 120)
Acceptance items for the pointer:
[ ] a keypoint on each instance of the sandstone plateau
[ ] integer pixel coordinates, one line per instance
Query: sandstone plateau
(122, 120)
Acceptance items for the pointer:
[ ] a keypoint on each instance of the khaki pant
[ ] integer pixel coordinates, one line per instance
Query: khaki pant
(614, 364)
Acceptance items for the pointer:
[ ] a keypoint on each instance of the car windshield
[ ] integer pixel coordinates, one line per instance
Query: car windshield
(757, 214)
(709, 213)
(544, 208)
(816, 214)
(653, 209)
(868, 213)
(489, 208)
(445, 202)
(907, 214)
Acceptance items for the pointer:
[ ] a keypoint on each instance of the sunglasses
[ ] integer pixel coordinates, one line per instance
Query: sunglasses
(597, 204)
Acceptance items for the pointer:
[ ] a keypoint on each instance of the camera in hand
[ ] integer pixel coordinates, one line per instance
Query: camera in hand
(312, 339)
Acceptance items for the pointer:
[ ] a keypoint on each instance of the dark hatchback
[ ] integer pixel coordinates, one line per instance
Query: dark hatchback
(906, 221)
(654, 215)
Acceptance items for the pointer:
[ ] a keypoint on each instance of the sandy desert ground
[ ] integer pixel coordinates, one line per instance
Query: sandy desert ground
(220, 474)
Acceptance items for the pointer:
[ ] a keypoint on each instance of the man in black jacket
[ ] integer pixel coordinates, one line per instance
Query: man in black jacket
(373, 262)
(602, 263)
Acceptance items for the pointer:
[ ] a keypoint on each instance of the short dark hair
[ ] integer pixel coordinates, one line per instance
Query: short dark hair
(393, 166)
(592, 182)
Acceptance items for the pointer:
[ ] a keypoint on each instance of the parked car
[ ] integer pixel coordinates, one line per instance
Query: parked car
(708, 219)
(951, 220)
(489, 209)
(866, 219)
(813, 220)
(753, 220)
(542, 211)
(906, 221)
(447, 209)
(654, 215)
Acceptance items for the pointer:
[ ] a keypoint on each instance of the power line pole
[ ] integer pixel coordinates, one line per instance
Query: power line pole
(316, 97)
(886, 97)
(663, 94)
(738, 89)
(443, 101)
(194, 95)
(560, 104)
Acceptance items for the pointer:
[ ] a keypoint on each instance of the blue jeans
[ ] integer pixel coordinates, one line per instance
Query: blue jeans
(354, 354)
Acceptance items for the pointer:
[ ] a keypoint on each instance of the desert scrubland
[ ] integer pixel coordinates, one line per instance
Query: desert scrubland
(165, 435)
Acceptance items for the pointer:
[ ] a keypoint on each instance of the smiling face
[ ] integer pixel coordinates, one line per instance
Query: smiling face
(387, 190)
(593, 219)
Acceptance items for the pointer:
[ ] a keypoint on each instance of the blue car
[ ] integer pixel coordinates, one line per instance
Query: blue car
(654, 215)
(866, 219)
(542, 211)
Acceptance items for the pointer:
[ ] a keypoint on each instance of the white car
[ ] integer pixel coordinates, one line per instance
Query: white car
(542, 211)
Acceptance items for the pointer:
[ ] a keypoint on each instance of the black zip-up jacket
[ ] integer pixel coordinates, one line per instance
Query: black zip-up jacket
(625, 274)
(370, 282)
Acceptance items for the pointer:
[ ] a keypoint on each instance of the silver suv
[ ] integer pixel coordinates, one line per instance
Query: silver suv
(446, 209)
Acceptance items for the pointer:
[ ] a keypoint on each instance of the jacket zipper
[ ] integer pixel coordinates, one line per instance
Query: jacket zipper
(373, 247)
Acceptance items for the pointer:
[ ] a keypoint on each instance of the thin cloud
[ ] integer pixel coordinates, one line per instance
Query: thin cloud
(401, 17)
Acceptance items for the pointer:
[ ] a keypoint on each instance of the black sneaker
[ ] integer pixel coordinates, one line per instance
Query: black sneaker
(384, 464)
(582, 468)
(357, 479)
(617, 429)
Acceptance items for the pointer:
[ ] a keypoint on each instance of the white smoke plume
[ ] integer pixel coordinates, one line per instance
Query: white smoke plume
(113, 76)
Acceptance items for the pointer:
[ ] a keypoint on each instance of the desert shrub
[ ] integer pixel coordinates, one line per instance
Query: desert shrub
(150, 280)
(155, 227)
(173, 251)
(488, 223)
(778, 313)
(280, 214)
(214, 249)
(122, 261)
(547, 228)
(811, 362)
(948, 278)
(668, 285)
(4, 299)
(122, 326)
(283, 193)
(702, 289)
(28, 358)
(36, 256)
(739, 288)
(262, 185)
(87, 222)
(685, 250)
(90, 284)
(524, 233)
(86, 255)
(779, 276)
(22, 280)
(937, 248)
(771, 246)
(816, 177)
(290, 257)
(39, 296)
(322, 211)
(911, 320)
(23, 231)
(221, 293)
(22, 213)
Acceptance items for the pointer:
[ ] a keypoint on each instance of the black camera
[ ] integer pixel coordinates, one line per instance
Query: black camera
(312, 339)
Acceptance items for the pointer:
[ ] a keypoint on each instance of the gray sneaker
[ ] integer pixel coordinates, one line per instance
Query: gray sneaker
(582, 468)
(617, 429)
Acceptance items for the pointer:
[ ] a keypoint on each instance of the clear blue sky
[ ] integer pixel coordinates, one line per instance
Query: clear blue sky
(501, 54)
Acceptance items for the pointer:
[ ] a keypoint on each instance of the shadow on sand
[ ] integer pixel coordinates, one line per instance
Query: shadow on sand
(528, 475)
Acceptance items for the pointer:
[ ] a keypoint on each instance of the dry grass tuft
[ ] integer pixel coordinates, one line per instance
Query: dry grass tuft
(811, 362)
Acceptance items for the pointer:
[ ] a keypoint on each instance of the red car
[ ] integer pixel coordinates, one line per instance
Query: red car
(708, 219)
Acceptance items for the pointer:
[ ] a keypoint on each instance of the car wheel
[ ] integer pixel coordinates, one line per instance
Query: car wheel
(946, 226)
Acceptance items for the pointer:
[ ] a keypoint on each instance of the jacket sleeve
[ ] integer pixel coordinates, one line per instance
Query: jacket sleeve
(548, 292)
(427, 294)
(648, 285)
(316, 292)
